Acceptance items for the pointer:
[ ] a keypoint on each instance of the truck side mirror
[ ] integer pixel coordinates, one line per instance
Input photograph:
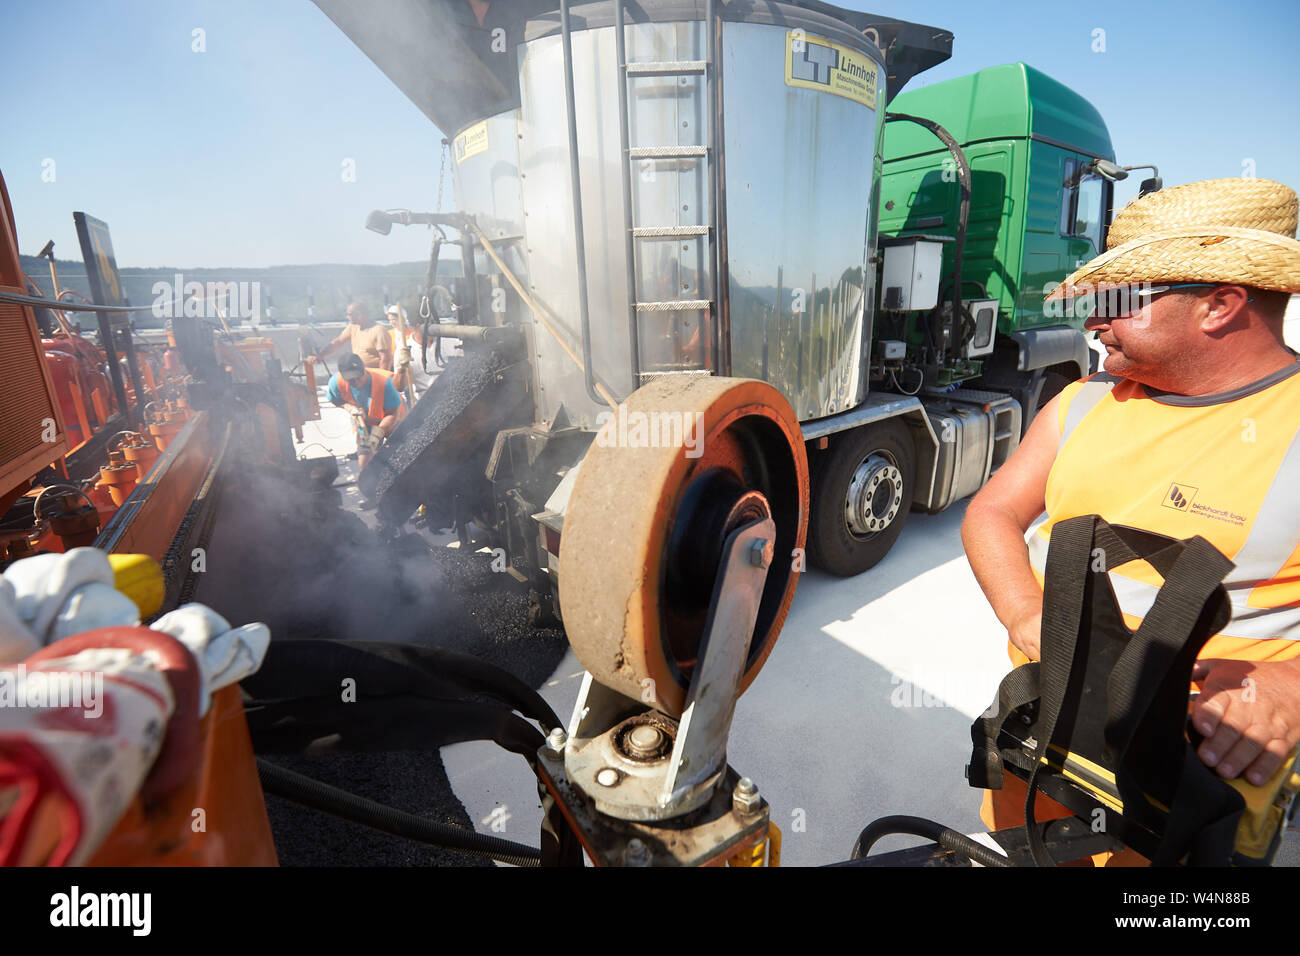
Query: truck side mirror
(1149, 186)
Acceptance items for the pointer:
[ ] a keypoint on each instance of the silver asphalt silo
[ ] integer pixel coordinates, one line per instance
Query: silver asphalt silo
(749, 149)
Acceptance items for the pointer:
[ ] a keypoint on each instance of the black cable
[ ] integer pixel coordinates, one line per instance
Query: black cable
(968, 325)
(984, 292)
(940, 834)
(498, 682)
(474, 674)
(303, 790)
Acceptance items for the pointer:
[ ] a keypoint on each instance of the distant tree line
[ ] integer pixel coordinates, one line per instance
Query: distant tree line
(286, 293)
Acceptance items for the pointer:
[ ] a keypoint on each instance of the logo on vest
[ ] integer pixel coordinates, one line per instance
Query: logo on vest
(1180, 497)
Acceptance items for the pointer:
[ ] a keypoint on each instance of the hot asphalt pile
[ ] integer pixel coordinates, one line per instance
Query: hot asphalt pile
(443, 444)
(293, 559)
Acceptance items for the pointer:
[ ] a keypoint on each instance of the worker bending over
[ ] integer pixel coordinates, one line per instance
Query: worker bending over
(1189, 429)
(369, 394)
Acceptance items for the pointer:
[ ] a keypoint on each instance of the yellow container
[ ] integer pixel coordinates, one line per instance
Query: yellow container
(140, 578)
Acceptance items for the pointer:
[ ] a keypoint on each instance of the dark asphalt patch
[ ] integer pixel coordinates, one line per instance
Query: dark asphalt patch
(309, 569)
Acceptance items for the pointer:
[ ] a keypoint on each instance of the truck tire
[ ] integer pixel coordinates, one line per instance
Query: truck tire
(861, 496)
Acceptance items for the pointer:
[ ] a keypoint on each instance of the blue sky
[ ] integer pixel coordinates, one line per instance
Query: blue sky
(233, 156)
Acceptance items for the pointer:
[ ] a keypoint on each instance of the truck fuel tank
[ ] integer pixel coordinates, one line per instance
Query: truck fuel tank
(977, 432)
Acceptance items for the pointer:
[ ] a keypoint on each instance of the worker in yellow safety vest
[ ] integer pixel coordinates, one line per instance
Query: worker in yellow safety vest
(1189, 429)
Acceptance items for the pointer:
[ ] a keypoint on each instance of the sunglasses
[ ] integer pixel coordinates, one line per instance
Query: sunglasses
(1120, 301)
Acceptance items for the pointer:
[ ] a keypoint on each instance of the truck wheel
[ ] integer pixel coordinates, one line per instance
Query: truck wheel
(861, 495)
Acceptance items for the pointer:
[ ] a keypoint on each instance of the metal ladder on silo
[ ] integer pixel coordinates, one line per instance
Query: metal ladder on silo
(711, 154)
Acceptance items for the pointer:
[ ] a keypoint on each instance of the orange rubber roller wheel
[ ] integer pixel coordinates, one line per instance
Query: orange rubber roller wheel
(674, 470)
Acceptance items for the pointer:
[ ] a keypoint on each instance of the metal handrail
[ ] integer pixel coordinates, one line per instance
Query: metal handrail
(56, 305)
(717, 206)
(625, 143)
(566, 40)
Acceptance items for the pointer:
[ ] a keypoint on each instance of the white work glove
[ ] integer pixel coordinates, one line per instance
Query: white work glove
(226, 655)
(53, 596)
(16, 641)
(376, 439)
(83, 763)
(46, 598)
(403, 359)
(81, 732)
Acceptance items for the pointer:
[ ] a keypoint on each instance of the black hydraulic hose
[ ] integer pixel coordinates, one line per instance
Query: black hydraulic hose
(963, 214)
(940, 834)
(495, 681)
(285, 783)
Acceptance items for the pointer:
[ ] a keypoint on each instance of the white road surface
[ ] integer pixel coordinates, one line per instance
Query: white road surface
(863, 709)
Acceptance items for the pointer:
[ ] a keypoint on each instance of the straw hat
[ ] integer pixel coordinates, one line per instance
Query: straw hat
(1233, 231)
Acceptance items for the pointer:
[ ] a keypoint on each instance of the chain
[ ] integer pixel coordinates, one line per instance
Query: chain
(425, 311)
(442, 175)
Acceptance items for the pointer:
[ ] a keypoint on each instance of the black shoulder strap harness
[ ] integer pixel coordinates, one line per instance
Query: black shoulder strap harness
(1119, 698)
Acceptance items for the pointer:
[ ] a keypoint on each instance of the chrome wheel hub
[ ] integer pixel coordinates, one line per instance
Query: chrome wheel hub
(875, 495)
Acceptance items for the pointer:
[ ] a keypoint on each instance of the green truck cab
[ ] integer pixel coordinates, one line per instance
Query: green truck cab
(1038, 209)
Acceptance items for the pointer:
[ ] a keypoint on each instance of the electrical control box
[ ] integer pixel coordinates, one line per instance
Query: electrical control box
(911, 273)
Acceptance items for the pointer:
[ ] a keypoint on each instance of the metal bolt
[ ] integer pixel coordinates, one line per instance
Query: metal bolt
(607, 777)
(636, 853)
(745, 799)
(760, 553)
(555, 742)
(644, 740)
